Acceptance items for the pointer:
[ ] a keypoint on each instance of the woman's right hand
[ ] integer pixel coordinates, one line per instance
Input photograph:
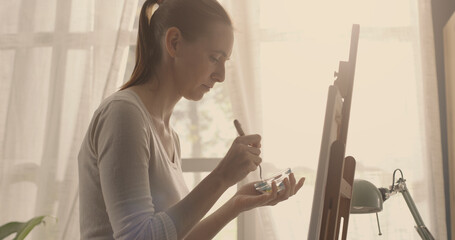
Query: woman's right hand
(241, 159)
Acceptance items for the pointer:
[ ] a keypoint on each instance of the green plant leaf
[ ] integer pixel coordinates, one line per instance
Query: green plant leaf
(21, 228)
(9, 228)
(29, 226)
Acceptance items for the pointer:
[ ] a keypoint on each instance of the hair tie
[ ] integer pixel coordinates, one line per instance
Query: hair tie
(149, 10)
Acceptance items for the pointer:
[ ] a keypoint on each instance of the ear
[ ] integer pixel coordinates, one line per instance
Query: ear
(173, 40)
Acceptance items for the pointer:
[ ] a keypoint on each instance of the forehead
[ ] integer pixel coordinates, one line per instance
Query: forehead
(220, 37)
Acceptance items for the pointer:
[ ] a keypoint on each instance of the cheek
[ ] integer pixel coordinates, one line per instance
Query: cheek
(199, 69)
(190, 79)
(193, 70)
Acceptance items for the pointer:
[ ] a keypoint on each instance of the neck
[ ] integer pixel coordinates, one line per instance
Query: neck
(159, 95)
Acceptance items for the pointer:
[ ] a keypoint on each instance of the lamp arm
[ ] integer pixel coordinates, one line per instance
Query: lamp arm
(420, 227)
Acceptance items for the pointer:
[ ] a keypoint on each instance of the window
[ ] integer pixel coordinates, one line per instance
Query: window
(301, 45)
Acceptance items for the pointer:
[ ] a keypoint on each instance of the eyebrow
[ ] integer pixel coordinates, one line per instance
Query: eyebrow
(222, 53)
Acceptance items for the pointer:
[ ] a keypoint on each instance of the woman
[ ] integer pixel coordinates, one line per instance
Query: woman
(131, 183)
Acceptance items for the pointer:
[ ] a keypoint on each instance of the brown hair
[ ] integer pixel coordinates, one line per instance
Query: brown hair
(191, 17)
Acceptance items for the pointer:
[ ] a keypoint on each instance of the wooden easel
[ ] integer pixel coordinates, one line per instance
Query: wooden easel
(341, 170)
(337, 201)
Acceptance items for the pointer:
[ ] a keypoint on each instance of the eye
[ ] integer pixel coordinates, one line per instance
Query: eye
(214, 59)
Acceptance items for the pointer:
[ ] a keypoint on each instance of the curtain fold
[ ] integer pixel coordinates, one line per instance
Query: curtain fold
(59, 59)
(432, 145)
(449, 61)
(244, 85)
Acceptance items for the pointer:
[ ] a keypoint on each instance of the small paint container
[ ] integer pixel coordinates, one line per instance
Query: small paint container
(265, 185)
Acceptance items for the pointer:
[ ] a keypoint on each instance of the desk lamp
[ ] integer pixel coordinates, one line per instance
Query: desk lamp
(366, 198)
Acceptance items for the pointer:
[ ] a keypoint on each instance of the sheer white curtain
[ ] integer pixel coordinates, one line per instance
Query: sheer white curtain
(449, 60)
(429, 100)
(284, 57)
(244, 84)
(58, 60)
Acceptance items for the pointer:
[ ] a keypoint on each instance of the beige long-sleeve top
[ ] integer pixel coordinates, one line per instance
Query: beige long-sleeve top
(126, 178)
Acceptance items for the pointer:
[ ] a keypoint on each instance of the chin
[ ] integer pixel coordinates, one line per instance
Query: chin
(194, 97)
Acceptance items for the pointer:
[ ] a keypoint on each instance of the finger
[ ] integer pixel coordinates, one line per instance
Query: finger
(293, 182)
(283, 194)
(249, 139)
(257, 145)
(254, 150)
(287, 189)
(299, 184)
(256, 160)
(274, 190)
(249, 157)
(273, 195)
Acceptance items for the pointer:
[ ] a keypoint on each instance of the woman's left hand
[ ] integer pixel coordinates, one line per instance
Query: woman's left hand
(247, 197)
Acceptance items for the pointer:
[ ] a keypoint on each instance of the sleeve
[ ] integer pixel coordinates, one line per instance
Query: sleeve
(123, 161)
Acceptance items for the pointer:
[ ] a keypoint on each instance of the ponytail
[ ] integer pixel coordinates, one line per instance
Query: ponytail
(147, 49)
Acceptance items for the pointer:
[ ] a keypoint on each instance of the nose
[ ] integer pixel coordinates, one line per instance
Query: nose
(219, 74)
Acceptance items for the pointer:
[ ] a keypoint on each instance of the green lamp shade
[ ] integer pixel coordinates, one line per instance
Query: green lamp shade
(366, 198)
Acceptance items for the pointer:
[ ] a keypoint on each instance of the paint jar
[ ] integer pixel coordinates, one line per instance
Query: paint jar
(265, 185)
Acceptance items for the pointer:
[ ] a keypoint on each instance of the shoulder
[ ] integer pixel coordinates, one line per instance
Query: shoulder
(121, 105)
(119, 111)
(120, 120)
